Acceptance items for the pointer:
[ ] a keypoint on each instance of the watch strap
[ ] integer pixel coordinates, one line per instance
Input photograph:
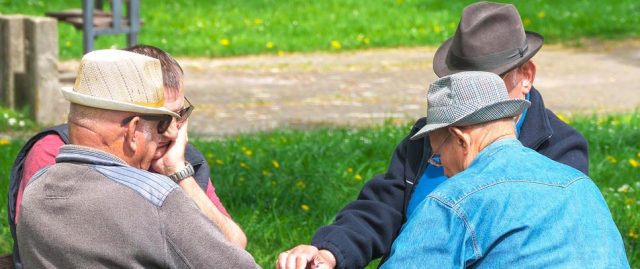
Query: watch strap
(186, 172)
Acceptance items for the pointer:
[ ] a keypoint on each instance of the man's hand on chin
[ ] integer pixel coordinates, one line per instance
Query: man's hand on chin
(170, 156)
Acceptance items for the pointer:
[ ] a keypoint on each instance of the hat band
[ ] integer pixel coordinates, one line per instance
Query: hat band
(487, 62)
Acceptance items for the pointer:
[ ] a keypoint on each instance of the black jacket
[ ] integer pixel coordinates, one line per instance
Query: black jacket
(192, 155)
(365, 228)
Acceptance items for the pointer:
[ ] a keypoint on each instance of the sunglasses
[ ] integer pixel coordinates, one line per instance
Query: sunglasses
(185, 112)
(164, 121)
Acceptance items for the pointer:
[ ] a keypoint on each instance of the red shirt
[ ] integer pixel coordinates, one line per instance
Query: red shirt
(43, 153)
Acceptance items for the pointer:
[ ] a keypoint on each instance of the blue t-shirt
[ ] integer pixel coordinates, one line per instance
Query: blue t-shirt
(433, 176)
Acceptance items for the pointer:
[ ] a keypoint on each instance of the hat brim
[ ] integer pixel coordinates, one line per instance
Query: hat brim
(440, 67)
(92, 101)
(496, 111)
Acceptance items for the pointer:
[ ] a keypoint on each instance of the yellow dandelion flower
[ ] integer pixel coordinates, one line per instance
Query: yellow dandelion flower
(305, 207)
(612, 159)
(357, 177)
(4, 141)
(634, 163)
(628, 201)
(269, 45)
(300, 184)
(437, 28)
(280, 53)
(526, 22)
(633, 234)
(247, 151)
(219, 162)
(275, 164)
(244, 165)
(563, 118)
(335, 44)
(541, 14)
(68, 44)
(257, 21)
(224, 42)
(350, 170)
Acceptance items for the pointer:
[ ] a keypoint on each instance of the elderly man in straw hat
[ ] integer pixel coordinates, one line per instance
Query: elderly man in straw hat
(490, 37)
(491, 213)
(41, 149)
(98, 206)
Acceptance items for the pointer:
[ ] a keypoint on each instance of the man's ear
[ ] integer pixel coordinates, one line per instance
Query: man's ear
(131, 136)
(461, 138)
(528, 74)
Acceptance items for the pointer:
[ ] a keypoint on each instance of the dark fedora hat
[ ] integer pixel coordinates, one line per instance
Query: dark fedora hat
(490, 37)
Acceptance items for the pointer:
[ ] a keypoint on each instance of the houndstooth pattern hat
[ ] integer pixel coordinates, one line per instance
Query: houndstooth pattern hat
(468, 98)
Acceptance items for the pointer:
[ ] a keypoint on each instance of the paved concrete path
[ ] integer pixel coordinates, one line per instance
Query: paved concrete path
(255, 93)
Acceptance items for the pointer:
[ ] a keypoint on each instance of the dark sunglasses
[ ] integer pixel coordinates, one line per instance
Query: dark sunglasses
(164, 121)
(185, 112)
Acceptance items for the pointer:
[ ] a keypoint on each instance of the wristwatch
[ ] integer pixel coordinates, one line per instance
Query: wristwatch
(186, 172)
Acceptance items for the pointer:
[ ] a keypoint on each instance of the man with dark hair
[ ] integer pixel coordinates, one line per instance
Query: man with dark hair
(490, 37)
(41, 149)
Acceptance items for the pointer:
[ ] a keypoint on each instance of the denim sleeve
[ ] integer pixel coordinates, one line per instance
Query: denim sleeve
(435, 236)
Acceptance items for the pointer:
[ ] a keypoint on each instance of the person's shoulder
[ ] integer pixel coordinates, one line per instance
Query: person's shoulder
(49, 143)
(154, 188)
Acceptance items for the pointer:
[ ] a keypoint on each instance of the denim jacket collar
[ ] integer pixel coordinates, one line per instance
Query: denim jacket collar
(491, 149)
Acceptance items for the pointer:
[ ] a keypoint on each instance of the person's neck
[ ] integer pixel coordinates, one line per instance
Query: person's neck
(96, 139)
(485, 139)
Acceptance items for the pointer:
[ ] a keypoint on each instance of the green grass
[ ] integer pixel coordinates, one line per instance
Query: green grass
(11, 120)
(223, 28)
(281, 186)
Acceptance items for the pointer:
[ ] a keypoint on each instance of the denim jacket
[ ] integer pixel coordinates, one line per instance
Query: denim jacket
(511, 208)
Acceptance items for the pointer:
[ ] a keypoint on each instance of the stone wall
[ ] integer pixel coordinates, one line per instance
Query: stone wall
(29, 66)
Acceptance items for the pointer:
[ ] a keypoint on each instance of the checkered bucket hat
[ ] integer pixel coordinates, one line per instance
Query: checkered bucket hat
(468, 98)
(119, 80)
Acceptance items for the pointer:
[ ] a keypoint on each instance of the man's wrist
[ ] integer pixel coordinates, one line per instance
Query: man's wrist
(185, 171)
(328, 257)
(172, 169)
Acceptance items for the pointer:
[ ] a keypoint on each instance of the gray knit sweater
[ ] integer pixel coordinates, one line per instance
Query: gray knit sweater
(92, 210)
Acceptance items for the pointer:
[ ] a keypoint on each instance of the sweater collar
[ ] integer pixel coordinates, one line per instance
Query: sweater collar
(81, 154)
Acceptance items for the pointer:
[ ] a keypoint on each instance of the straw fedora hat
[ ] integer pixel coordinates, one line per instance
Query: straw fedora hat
(468, 98)
(119, 80)
(490, 37)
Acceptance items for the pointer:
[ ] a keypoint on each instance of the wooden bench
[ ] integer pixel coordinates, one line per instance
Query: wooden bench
(94, 21)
